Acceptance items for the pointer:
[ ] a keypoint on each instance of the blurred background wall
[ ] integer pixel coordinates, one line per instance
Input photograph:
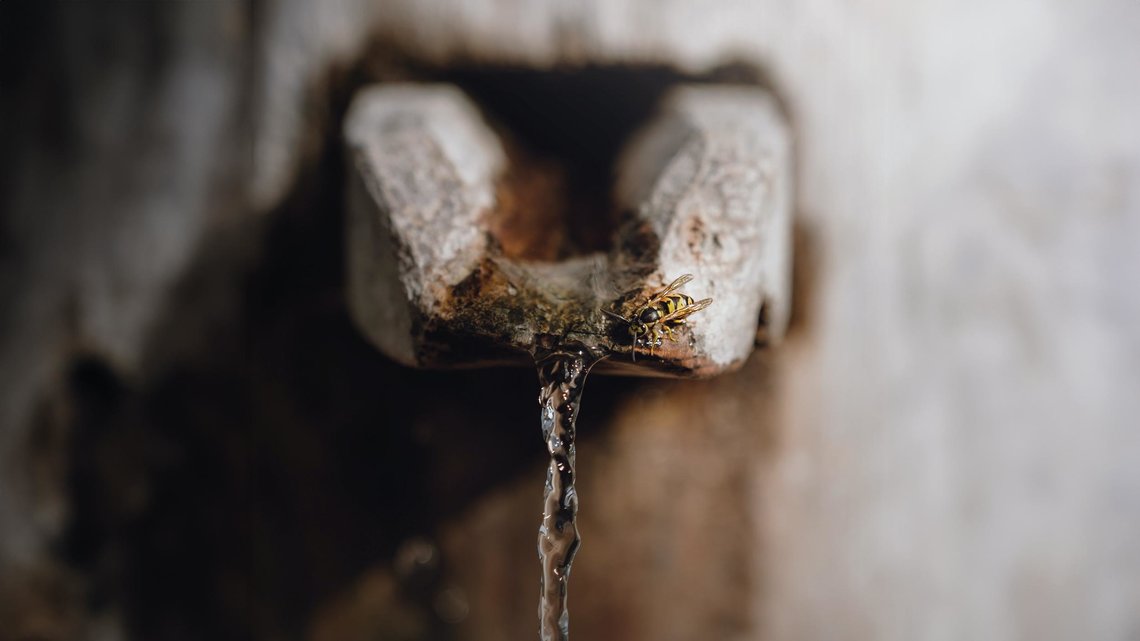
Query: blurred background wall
(195, 442)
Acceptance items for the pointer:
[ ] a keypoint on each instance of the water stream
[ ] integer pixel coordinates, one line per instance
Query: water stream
(562, 375)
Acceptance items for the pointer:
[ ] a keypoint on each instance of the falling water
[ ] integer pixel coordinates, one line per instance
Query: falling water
(561, 374)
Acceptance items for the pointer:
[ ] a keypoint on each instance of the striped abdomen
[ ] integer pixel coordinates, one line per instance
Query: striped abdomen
(668, 305)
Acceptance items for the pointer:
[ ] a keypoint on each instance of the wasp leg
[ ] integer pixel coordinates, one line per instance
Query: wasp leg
(671, 333)
(654, 339)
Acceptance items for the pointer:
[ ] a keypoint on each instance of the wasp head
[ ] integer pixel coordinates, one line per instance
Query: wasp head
(637, 330)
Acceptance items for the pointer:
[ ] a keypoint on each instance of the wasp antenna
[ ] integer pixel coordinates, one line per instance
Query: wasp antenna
(617, 316)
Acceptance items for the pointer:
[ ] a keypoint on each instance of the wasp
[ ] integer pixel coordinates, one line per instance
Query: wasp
(660, 315)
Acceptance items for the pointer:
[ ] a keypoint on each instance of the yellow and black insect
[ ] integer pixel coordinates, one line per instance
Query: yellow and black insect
(660, 315)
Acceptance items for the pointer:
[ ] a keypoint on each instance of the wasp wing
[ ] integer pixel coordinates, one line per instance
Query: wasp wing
(672, 287)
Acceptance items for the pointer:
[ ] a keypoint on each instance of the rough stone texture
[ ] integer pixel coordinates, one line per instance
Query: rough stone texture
(425, 167)
(711, 176)
(708, 185)
(952, 442)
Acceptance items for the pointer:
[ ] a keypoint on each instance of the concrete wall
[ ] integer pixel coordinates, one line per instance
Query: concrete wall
(943, 448)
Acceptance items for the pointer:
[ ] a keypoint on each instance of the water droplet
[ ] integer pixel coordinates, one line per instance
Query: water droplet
(415, 556)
